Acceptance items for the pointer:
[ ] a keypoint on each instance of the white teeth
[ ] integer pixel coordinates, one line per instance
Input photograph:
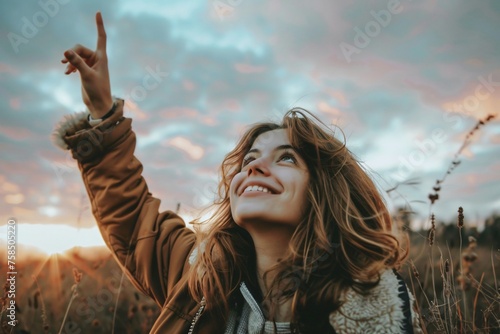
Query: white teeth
(257, 188)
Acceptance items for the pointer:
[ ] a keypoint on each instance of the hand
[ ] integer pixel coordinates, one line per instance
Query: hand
(94, 74)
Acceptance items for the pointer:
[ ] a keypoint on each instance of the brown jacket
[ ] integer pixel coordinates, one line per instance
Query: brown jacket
(153, 248)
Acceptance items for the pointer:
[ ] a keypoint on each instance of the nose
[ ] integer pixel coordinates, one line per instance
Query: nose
(258, 166)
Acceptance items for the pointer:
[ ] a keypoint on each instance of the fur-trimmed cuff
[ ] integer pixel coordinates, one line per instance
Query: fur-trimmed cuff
(72, 123)
(88, 142)
(69, 124)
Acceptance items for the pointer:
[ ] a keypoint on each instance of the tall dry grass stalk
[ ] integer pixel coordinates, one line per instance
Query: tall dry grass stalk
(45, 323)
(116, 302)
(120, 288)
(460, 224)
(432, 234)
(77, 275)
(433, 197)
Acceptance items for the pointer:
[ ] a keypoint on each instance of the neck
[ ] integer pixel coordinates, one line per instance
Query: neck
(271, 245)
(270, 248)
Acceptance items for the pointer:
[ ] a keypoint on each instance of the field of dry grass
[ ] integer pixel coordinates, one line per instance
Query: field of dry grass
(456, 288)
(79, 288)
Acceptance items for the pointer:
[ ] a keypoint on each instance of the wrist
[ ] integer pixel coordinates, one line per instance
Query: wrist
(97, 112)
(92, 120)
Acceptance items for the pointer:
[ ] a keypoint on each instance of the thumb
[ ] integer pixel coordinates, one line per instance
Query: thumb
(77, 61)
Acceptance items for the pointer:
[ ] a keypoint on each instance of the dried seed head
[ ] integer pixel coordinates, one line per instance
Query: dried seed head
(432, 233)
(472, 242)
(464, 282)
(460, 223)
(77, 275)
(447, 266)
(415, 271)
(469, 256)
(433, 197)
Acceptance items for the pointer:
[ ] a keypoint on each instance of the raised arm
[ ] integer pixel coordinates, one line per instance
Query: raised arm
(152, 247)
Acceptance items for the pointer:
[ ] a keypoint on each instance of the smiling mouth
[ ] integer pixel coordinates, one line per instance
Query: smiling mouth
(256, 189)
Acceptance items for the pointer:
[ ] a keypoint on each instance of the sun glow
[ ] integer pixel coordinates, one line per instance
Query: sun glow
(50, 239)
(53, 238)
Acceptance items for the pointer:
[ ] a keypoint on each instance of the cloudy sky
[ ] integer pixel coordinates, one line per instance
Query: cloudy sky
(405, 80)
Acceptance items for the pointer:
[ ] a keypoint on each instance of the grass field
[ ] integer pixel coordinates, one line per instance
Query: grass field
(76, 292)
(88, 278)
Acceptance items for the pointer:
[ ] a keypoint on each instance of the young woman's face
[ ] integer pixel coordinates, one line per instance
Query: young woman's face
(271, 187)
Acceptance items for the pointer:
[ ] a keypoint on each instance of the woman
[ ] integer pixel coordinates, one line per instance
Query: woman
(300, 242)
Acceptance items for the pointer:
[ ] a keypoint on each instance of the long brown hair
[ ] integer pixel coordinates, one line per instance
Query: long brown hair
(343, 241)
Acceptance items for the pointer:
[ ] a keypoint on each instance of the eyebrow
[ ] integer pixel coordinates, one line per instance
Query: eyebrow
(278, 148)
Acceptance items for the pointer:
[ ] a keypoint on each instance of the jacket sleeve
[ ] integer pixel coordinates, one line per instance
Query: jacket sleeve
(152, 247)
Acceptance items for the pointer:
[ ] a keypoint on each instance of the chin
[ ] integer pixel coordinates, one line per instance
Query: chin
(263, 220)
(243, 219)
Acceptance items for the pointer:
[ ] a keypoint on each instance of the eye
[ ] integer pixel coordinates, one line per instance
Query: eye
(288, 157)
(247, 160)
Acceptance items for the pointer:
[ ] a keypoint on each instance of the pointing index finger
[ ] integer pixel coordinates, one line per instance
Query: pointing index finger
(101, 33)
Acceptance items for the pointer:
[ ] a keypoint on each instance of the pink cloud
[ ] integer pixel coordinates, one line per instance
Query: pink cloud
(445, 48)
(175, 112)
(137, 112)
(470, 104)
(495, 139)
(340, 97)
(195, 152)
(232, 105)
(5, 68)
(475, 62)
(418, 30)
(477, 179)
(209, 120)
(16, 133)
(248, 68)
(15, 103)
(188, 85)
(327, 109)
